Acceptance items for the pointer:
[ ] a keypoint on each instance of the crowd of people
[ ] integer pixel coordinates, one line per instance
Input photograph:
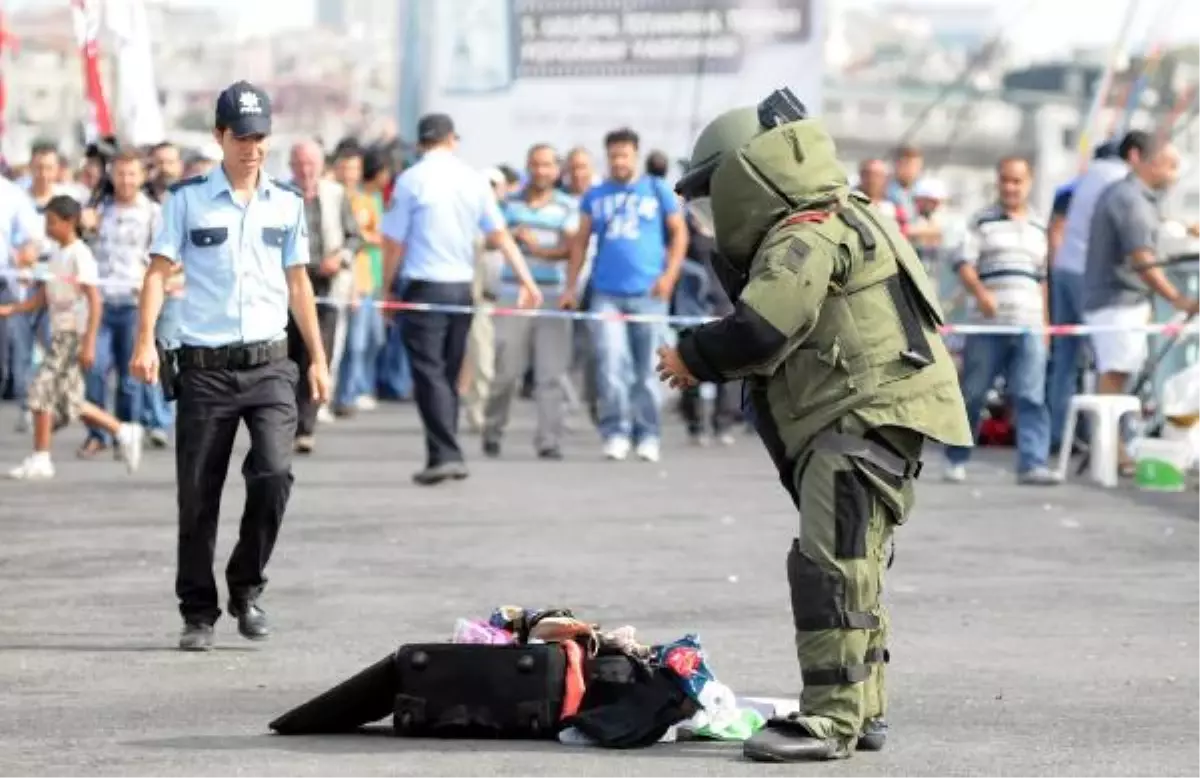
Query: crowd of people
(606, 237)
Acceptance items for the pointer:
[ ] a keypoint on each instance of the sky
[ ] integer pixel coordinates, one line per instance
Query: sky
(1045, 27)
(1037, 27)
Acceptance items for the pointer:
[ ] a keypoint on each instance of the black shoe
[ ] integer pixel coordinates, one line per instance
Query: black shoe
(196, 637)
(431, 476)
(554, 454)
(788, 740)
(873, 736)
(491, 448)
(251, 620)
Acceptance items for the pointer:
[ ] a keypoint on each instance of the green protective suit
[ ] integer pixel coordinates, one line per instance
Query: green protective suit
(835, 330)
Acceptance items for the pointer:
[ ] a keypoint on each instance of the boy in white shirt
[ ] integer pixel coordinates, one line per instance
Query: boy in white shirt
(56, 394)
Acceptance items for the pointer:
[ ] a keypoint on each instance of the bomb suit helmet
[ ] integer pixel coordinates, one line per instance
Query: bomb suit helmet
(726, 134)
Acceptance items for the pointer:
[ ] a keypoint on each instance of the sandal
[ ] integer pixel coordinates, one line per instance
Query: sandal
(90, 448)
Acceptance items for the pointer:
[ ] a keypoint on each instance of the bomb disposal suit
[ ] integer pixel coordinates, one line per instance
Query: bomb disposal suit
(835, 332)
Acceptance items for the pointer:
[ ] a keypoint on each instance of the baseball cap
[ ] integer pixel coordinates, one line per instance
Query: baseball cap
(245, 110)
(435, 128)
(930, 188)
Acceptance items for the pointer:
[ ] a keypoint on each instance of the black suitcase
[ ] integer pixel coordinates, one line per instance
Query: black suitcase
(451, 690)
(364, 698)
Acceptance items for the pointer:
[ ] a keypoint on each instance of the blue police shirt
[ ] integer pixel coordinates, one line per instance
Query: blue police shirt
(547, 224)
(629, 221)
(439, 207)
(233, 256)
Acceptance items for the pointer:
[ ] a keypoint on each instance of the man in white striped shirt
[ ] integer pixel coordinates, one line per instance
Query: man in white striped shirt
(1002, 264)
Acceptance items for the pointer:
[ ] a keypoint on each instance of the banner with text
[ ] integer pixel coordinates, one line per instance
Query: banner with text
(517, 72)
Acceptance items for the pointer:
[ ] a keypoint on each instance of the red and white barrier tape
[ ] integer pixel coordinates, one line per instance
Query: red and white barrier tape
(1058, 330)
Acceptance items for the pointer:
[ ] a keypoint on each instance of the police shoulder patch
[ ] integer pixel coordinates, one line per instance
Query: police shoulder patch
(797, 253)
(192, 181)
(287, 186)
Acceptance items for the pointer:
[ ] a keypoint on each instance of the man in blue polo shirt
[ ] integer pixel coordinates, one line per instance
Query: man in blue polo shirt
(542, 221)
(641, 240)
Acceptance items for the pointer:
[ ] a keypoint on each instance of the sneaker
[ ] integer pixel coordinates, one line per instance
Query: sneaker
(36, 467)
(1038, 476)
(727, 439)
(616, 449)
(324, 415)
(700, 440)
(158, 438)
(129, 440)
(491, 448)
(366, 403)
(647, 450)
(305, 444)
(955, 474)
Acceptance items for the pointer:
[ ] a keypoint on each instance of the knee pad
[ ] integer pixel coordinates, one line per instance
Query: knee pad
(819, 597)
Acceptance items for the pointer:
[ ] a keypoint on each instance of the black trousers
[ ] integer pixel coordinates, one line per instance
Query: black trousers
(725, 410)
(327, 316)
(211, 404)
(436, 344)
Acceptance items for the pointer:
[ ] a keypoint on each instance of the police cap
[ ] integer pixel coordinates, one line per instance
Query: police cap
(244, 110)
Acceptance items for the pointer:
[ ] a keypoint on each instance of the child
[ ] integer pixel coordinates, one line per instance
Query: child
(56, 394)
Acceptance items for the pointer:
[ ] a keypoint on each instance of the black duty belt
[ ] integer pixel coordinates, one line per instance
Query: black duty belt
(242, 356)
(869, 451)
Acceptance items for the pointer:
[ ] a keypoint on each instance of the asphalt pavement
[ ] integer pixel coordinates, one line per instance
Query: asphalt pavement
(1037, 631)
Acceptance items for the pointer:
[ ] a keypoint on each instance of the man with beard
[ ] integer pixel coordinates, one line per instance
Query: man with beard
(542, 220)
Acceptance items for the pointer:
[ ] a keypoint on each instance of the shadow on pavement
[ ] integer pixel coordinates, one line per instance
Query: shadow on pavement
(379, 739)
(84, 648)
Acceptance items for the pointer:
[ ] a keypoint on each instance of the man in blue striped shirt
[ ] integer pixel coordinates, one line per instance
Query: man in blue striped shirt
(439, 206)
(543, 220)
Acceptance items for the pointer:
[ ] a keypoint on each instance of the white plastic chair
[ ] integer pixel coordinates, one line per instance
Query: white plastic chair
(1103, 452)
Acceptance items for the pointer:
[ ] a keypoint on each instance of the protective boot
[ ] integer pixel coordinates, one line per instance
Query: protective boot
(874, 735)
(792, 739)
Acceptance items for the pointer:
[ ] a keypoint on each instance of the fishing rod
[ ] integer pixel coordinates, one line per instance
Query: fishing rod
(1134, 89)
(1120, 44)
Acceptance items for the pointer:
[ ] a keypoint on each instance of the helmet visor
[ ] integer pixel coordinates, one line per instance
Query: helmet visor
(699, 211)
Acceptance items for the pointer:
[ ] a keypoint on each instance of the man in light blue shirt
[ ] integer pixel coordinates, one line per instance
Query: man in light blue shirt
(439, 208)
(1111, 164)
(641, 241)
(20, 240)
(242, 241)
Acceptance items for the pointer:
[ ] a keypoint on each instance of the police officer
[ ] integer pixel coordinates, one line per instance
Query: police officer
(835, 329)
(241, 240)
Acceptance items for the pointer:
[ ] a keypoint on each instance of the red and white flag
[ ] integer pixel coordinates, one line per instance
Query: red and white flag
(8, 42)
(87, 33)
(139, 114)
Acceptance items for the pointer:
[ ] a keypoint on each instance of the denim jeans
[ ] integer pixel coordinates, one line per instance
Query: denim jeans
(1022, 361)
(16, 350)
(1066, 307)
(157, 413)
(365, 337)
(628, 387)
(114, 350)
(16, 345)
(393, 380)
